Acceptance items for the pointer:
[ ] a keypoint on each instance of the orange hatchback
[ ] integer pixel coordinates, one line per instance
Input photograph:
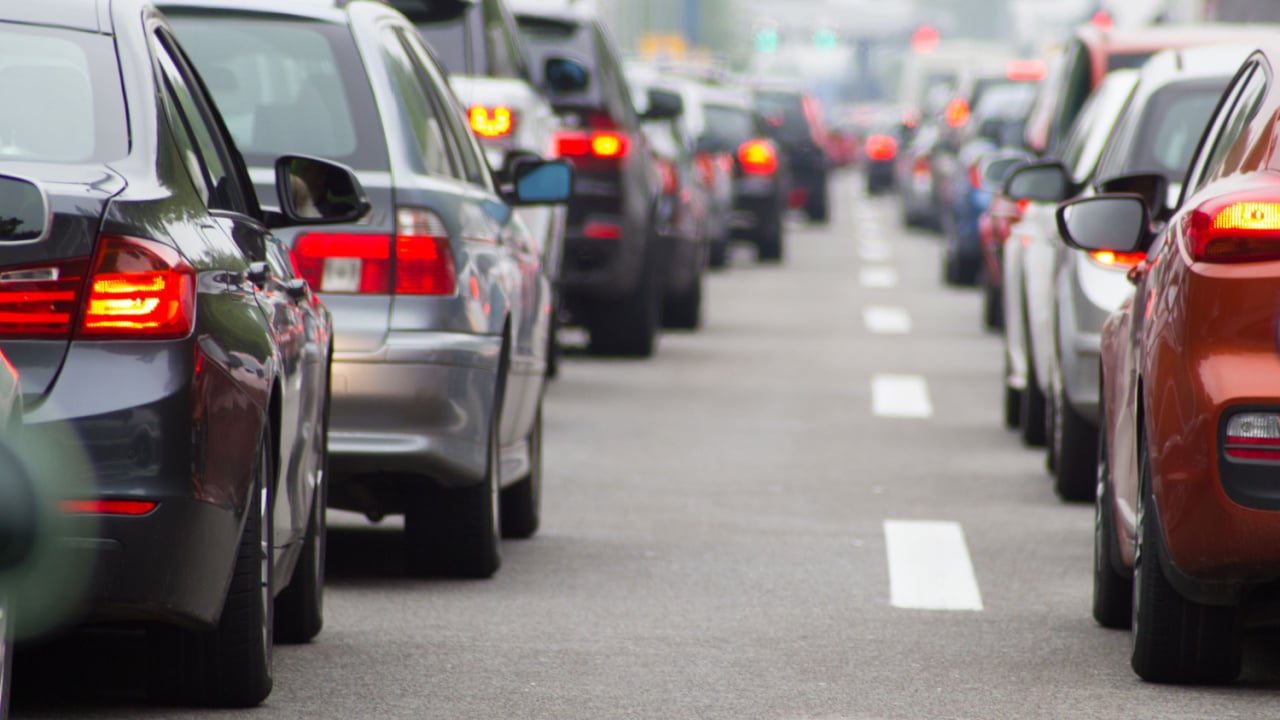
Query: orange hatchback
(1188, 525)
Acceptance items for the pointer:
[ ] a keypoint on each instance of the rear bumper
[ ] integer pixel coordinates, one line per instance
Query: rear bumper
(757, 205)
(420, 405)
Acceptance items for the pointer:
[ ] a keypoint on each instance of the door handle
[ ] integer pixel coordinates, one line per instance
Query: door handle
(298, 288)
(258, 273)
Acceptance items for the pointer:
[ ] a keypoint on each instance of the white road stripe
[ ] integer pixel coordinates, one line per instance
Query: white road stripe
(874, 251)
(886, 320)
(929, 566)
(878, 277)
(900, 396)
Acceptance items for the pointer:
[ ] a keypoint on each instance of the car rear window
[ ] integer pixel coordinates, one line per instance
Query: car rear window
(785, 112)
(1126, 61)
(727, 127)
(63, 98)
(550, 37)
(287, 86)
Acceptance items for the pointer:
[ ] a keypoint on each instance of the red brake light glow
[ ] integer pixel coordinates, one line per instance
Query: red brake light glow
(1025, 70)
(1253, 436)
(957, 112)
(1118, 260)
(881, 148)
(39, 301)
(491, 122)
(1235, 229)
(608, 144)
(424, 259)
(758, 157)
(107, 507)
(602, 231)
(345, 262)
(139, 288)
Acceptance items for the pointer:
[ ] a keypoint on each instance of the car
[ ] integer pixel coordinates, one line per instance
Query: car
(488, 66)
(1188, 528)
(151, 312)
(616, 265)
(913, 176)
(17, 487)
(1148, 152)
(793, 119)
(440, 303)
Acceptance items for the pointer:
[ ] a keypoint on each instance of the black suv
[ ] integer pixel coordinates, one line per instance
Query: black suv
(616, 268)
(794, 121)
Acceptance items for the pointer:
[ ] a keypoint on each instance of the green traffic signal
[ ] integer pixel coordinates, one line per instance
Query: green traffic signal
(767, 40)
(825, 39)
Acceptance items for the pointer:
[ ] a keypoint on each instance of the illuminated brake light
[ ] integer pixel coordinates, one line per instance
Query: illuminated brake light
(344, 262)
(670, 177)
(491, 122)
(107, 507)
(39, 301)
(1235, 230)
(602, 231)
(608, 145)
(602, 145)
(758, 157)
(957, 113)
(1117, 260)
(424, 259)
(881, 148)
(975, 177)
(1026, 70)
(1253, 436)
(921, 167)
(138, 288)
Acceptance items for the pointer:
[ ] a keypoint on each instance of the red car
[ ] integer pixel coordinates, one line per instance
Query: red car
(1188, 525)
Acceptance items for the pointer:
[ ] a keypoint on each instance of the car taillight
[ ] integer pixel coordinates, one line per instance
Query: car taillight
(40, 301)
(138, 289)
(1253, 436)
(1117, 260)
(1235, 229)
(975, 177)
(921, 167)
(706, 165)
(670, 177)
(881, 148)
(602, 230)
(957, 113)
(107, 507)
(1023, 204)
(424, 259)
(492, 122)
(758, 157)
(344, 262)
(602, 145)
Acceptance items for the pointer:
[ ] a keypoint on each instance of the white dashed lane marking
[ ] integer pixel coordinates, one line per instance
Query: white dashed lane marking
(929, 566)
(886, 320)
(878, 277)
(875, 251)
(900, 396)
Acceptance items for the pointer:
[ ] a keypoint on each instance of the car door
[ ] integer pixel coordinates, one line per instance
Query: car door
(233, 210)
(518, 268)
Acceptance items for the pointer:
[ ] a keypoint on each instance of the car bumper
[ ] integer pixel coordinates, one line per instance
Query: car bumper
(600, 268)
(756, 205)
(420, 405)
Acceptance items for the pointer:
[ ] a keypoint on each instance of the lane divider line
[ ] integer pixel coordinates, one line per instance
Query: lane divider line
(874, 251)
(929, 566)
(900, 396)
(878, 277)
(883, 320)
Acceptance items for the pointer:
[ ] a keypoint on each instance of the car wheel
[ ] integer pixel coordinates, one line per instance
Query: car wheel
(230, 665)
(684, 312)
(1112, 590)
(521, 503)
(769, 241)
(818, 208)
(456, 532)
(1175, 640)
(1075, 444)
(1031, 414)
(629, 327)
(1012, 400)
(718, 253)
(950, 268)
(992, 303)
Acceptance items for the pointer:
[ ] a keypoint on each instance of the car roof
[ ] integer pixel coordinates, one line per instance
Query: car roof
(565, 10)
(1159, 37)
(87, 15)
(1213, 61)
(329, 10)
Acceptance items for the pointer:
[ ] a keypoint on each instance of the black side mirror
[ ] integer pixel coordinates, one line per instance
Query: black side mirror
(1046, 182)
(1118, 223)
(663, 105)
(1153, 188)
(506, 175)
(24, 211)
(313, 191)
(565, 76)
(541, 182)
(995, 170)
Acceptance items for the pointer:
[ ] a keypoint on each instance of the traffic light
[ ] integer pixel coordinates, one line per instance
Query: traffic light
(767, 40)
(825, 39)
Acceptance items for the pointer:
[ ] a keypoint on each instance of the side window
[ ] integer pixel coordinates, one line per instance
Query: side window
(502, 56)
(612, 83)
(418, 115)
(1244, 108)
(217, 179)
(1077, 81)
(470, 159)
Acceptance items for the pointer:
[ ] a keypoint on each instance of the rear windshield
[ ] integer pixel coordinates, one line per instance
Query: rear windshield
(63, 101)
(449, 39)
(547, 37)
(1127, 61)
(1167, 135)
(727, 127)
(785, 112)
(287, 86)
(1008, 101)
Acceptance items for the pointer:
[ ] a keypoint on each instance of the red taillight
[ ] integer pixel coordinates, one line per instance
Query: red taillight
(957, 112)
(706, 165)
(1253, 436)
(602, 231)
(424, 259)
(1026, 70)
(344, 262)
(493, 122)
(1023, 204)
(758, 157)
(921, 167)
(881, 148)
(107, 507)
(1235, 229)
(603, 145)
(138, 289)
(975, 177)
(608, 145)
(39, 301)
(1117, 260)
(670, 177)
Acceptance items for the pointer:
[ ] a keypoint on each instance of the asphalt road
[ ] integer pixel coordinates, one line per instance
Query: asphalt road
(790, 514)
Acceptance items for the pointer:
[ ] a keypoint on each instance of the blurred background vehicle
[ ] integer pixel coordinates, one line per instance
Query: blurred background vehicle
(441, 307)
(616, 268)
(152, 315)
(793, 120)
(479, 46)
(994, 225)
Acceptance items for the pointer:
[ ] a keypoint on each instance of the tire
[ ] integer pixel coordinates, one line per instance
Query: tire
(992, 305)
(951, 274)
(229, 665)
(1031, 414)
(684, 312)
(553, 342)
(1012, 401)
(1176, 640)
(456, 532)
(628, 327)
(1075, 451)
(6, 658)
(1112, 590)
(520, 504)
(818, 207)
(769, 242)
(718, 254)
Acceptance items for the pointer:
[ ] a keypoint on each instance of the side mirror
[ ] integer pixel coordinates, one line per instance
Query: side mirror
(565, 76)
(1039, 182)
(1153, 188)
(315, 192)
(505, 174)
(663, 105)
(995, 170)
(1105, 222)
(548, 182)
(24, 211)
